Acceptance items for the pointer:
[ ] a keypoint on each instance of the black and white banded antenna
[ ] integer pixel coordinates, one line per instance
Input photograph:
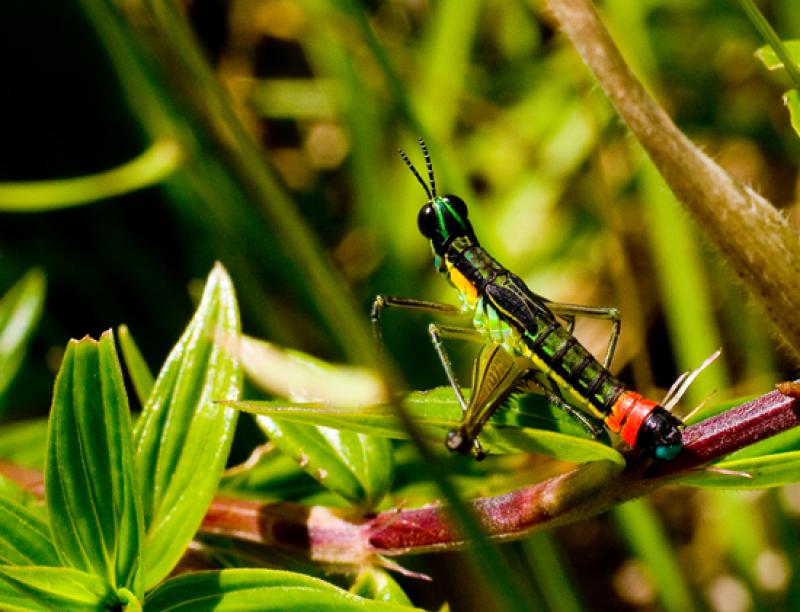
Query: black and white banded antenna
(429, 190)
(429, 165)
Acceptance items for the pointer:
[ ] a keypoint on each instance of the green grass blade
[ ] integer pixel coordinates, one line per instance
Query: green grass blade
(53, 588)
(95, 514)
(138, 370)
(24, 536)
(207, 122)
(452, 29)
(646, 537)
(555, 584)
(256, 590)
(773, 40)
(683, 285)
(183, 436)
(20, 309)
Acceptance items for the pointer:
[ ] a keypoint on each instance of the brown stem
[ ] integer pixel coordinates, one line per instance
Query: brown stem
(333, 537)
(338, 538)
(747, 230)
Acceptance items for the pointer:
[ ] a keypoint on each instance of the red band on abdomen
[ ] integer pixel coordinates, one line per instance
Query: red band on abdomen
(628, 414)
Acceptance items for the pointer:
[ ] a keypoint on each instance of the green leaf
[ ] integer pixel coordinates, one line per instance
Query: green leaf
(53, 588)
(771, 60)
(357, 466)
(268, 473)
(300, 377)
(24, 442)
(183, 436)
(376, 583)
(95, 514)
(141, 376)
(24, 536)
(749, 473)
(246, 589)
(17, 492)
(529, 424)
(11, 599)
(792, 101)
(781, 443)
(20, 309)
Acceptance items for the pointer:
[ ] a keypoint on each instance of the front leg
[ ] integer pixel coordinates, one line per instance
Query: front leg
(390, 301)
(438, 333)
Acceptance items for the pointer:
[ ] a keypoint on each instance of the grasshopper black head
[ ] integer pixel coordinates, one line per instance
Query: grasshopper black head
(443, 218)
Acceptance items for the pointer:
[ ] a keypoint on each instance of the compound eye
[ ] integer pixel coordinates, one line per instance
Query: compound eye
(458, 205)
(428, 221)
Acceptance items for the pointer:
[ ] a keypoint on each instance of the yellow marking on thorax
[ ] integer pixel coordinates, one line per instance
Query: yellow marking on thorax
(460, 282)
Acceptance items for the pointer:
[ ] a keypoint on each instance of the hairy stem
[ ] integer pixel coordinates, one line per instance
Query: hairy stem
(747, 230)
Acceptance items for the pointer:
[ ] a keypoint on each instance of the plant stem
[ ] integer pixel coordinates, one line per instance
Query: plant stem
(771, 37)
(337, 538)
(746, 229)
(333, 537)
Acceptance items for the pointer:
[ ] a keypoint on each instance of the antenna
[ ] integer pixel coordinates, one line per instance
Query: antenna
(429, 165)
(414, 170)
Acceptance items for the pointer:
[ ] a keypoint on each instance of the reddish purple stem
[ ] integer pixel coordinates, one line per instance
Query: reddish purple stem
(341, 539)
(587, 490)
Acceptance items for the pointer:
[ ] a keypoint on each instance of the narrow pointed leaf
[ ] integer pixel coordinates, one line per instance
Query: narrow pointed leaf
(792, 100)
(184, 435)
(749, 473)
(53, 588)
(20, 309)
(257, 590)
(95, 515)
(24, 536)
(357, 466)
(771, 60)
(303, 378)
(529, 424)
(141, 376)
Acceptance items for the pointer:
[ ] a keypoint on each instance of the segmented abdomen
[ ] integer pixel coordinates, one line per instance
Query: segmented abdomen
(574, 365)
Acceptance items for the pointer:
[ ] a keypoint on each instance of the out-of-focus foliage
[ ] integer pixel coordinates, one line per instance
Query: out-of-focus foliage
(326, 91)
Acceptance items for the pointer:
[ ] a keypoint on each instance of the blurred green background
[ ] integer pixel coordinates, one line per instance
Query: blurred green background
(287, 116)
